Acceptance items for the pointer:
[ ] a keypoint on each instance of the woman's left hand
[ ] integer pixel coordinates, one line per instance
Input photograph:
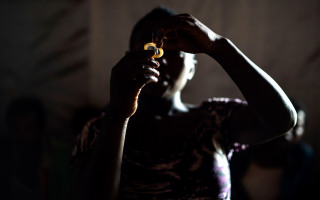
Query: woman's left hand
(185, 33)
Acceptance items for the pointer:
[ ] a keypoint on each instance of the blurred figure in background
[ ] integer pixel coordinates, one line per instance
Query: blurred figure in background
(26, 159)
(283, 168)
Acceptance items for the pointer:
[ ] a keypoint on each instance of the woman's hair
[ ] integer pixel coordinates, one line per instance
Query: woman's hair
(157, 13)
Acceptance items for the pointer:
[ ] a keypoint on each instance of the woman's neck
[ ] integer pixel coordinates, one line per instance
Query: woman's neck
(153, 106)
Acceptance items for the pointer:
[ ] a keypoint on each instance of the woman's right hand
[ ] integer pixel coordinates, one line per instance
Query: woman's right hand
(128, 77)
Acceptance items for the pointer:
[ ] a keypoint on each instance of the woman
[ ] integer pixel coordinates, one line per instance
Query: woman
(167, 149)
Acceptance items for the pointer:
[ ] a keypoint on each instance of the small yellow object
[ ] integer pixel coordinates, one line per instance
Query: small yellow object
(158, 52)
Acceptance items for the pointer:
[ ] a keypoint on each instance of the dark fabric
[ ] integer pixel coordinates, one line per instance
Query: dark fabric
(199, 169)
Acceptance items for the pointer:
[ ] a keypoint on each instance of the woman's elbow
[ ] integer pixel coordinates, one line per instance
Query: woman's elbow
(287, 120)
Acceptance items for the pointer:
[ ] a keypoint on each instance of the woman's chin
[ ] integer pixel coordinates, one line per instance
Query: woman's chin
(156, 89)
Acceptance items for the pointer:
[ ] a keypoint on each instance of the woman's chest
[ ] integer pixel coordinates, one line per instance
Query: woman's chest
(196, 172)
(161, 136)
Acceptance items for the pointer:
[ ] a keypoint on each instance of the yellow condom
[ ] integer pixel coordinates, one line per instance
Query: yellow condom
(158, 52)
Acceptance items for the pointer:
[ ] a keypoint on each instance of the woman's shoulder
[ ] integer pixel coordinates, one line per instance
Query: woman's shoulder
(217, 103)
(219, 106)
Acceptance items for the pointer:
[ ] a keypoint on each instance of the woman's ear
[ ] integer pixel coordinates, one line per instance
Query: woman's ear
(192, 69)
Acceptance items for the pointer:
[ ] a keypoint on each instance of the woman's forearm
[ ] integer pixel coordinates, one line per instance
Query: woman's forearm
(268, 101)
(102, 176)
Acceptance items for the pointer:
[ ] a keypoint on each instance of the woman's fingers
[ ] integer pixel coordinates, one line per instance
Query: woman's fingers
(167, 29)
(141, 75)
(133, 59)
(185, 33)
(147, 73)
(134, 71)
(144, 70)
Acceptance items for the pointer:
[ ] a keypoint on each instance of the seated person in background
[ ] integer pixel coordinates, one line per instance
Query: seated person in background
(27, 162)
(165, 148)
(281, 169)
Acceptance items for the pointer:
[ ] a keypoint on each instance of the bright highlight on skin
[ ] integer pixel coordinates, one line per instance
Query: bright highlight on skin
(158, 52)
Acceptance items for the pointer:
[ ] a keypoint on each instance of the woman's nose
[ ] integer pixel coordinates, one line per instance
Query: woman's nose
(163, 61)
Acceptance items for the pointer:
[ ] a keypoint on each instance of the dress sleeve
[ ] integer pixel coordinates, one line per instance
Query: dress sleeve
(222, 108)
(218, 112)
(84, 144)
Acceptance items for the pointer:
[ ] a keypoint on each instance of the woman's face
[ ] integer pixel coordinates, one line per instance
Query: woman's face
(176, 68)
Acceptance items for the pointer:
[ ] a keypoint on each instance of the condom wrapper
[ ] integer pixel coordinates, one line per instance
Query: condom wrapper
(158, 52)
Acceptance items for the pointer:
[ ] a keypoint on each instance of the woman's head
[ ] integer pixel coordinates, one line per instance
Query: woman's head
(142, 31)
(176, 67)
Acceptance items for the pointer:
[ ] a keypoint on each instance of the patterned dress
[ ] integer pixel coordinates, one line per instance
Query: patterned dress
(198, 170)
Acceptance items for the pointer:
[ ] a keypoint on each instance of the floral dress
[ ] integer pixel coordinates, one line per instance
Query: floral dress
(198, 170)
